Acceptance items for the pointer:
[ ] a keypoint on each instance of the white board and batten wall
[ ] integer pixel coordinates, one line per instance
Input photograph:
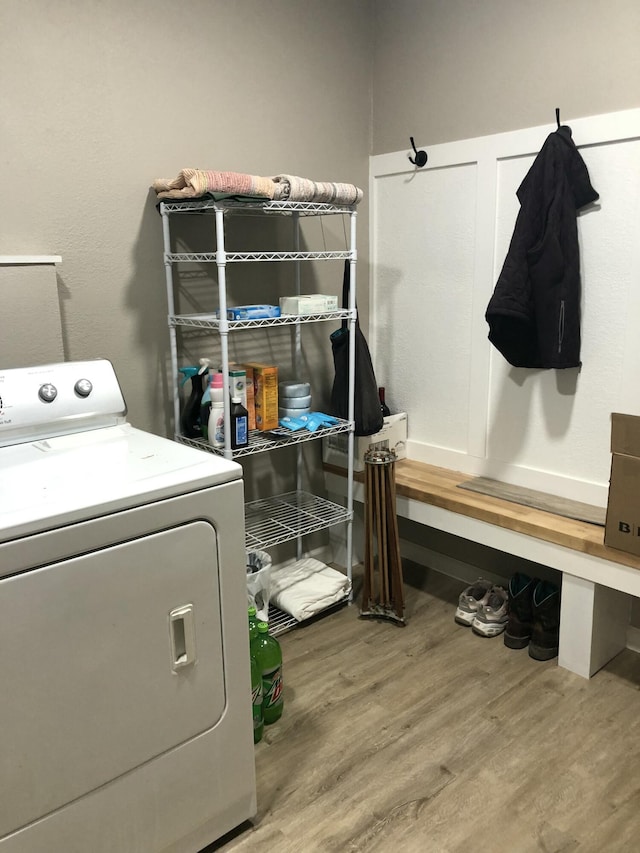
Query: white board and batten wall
(439, 236)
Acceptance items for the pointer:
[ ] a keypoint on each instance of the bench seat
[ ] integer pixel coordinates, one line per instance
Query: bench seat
(597, 581)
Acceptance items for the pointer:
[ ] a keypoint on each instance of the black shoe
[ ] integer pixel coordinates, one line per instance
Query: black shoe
(546, 621)
(520, 623)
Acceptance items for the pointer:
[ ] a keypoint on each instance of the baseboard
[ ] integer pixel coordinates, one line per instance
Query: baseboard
(466, 573)
(633, 638)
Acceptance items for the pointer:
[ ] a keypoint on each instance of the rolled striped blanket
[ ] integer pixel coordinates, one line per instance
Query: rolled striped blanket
(193, 183)
(293, 188)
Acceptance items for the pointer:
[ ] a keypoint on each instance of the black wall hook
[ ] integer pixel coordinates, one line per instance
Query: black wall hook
(421, 156)
(558, 117)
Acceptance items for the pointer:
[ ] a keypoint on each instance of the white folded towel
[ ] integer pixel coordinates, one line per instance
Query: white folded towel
(306, 587)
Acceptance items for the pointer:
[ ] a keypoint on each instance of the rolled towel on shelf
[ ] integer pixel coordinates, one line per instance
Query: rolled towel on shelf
(294, 188)
(194, 183)
(307, 587)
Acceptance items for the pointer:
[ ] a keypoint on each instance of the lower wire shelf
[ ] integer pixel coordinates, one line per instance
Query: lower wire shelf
(281, 622)
(281, 518)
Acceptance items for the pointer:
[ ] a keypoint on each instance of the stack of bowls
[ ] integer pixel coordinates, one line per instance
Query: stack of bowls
(294, 399)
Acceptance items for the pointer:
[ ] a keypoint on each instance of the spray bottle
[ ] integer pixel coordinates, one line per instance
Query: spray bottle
(205, 403)
(190, 418)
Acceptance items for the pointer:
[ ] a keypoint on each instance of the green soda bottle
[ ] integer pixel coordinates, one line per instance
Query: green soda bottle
(256, 700)
(268, 654)
(253, 623)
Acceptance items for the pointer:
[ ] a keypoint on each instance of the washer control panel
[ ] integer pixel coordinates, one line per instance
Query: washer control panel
(55, 399)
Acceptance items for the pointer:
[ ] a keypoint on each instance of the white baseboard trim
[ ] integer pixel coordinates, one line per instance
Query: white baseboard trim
(466, 573)
(633, 638)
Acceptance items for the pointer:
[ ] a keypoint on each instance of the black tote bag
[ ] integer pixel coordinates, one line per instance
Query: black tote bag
(367, 411)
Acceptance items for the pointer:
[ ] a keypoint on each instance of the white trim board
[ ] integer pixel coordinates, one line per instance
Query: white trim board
(29, 260)
(438, 238)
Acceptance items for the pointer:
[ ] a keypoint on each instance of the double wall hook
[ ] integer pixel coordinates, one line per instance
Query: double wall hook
(421, 156)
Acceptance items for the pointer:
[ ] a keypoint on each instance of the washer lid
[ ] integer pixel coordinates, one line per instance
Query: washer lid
(61, 480)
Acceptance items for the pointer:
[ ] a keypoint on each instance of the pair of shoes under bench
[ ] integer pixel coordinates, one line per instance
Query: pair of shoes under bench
(483, 607)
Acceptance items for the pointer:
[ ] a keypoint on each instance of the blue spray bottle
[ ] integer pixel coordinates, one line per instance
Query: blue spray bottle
(190, 418)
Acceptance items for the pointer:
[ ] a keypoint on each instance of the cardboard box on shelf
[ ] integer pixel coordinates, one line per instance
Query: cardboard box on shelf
(265, 390)
(238, 383)
(392, 436)
(622, 529)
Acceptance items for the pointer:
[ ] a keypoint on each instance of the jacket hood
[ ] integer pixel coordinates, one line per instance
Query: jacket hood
(563, 150)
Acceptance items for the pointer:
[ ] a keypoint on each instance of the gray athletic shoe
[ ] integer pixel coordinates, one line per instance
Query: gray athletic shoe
(472, 598)
(492, 617)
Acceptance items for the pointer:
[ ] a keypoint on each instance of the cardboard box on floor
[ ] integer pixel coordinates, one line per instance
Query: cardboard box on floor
(392, 436)
(622, 529)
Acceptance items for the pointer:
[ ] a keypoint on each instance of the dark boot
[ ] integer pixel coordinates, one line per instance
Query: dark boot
(520, 623)
(546, 621)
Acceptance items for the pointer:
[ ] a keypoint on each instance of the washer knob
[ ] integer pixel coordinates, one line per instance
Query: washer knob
(48, 393)
(83, 387)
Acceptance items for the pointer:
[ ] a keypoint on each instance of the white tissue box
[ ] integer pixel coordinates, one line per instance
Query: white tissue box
(392, 436)
(316, 303)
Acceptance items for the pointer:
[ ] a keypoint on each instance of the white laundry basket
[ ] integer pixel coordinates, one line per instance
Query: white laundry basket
(259, 582)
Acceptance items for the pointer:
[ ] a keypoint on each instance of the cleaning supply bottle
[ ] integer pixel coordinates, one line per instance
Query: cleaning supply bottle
(190, 417)
(239, 424)
(217, 388)
(215, 427)
(267, 652)
(256, 701)
(205, 406)
(383, 405)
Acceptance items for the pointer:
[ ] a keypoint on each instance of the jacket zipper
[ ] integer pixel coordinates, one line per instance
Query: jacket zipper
(561, 326)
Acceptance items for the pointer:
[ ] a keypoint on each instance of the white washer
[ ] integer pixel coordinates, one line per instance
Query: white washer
(125, 716)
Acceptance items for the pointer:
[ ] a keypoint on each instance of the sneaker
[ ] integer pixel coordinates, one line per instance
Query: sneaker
(491, 618)
(470, 600)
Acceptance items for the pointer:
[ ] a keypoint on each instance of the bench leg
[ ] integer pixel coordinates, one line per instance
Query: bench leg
(593, 625)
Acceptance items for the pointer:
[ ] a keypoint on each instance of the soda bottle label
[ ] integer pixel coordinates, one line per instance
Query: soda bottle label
(272, 684)
(256, 701)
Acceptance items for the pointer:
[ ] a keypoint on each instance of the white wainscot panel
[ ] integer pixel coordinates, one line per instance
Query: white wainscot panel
(558, 421)
(422, 292)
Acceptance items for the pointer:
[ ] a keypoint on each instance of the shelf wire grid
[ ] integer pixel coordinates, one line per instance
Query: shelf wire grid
(259, 442)
(304, 208)
(281, 622)
(236, 257)
(210, 321)
(281, 518)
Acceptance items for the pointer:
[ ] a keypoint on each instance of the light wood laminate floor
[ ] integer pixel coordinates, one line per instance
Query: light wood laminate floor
(430, 738)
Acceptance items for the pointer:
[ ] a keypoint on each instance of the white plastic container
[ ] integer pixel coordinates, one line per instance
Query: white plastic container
(259, 582)
(215, 428)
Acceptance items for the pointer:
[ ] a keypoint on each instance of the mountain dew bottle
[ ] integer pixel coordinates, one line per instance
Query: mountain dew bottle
(256, 700)
(253, 623)
(266, 650)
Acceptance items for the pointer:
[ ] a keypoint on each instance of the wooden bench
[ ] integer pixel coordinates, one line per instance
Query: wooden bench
(597, 581)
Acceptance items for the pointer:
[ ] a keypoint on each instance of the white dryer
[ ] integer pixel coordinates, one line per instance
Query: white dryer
(125, 717)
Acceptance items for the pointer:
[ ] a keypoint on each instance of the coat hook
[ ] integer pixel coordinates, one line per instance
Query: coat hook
(421, 156)
(558, 117)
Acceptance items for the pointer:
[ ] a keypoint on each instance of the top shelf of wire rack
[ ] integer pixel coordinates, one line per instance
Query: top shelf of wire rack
(303, 208)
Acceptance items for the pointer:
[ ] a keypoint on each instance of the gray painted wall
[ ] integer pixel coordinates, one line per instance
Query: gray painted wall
(100, 97)
(457, 69)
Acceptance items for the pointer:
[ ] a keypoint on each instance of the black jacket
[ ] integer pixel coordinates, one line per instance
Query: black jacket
(534, 313)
